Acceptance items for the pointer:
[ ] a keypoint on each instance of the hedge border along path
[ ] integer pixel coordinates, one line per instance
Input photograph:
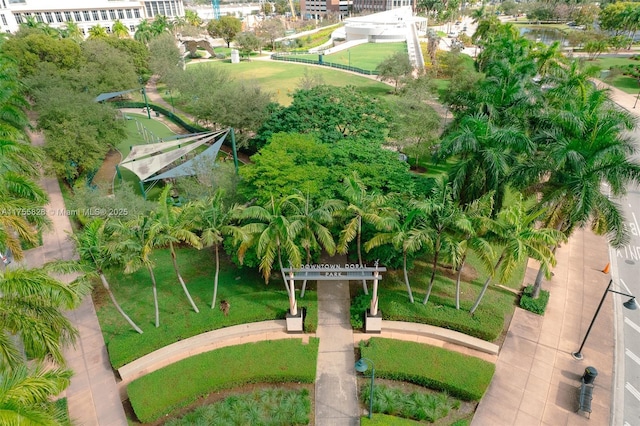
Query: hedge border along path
(462, 376)
(178, 385)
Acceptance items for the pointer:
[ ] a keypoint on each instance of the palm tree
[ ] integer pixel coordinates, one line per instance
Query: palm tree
(315, 234)
(144, 33)
(175, 225)
(26, 396)
(581, 146)
(192, 18)
(362, 207)
(214, 221)
(515, 230)
(32, 306)
(442, 217)
(119, 30)
(134, 242)
(486, 154)
(408, 236)
(478, 213)
(98, 32)
(72, 30)
(92, 248)
(276, 227)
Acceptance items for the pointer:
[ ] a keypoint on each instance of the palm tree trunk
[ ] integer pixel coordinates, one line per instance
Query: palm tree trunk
(106, 286)
(485, 286)
(433, 272)
(406, 276)
(458, 277)
(537, 284)
(284, 278)
(364, 282)
(155, 295)
(215, 279)
(304, 283)
(184, 287)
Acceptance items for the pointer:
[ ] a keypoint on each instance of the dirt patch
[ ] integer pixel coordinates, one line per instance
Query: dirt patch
(106, 172)
(465, 411)
(219, 396)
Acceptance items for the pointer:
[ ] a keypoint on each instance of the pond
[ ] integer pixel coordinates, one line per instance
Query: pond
(545, 35)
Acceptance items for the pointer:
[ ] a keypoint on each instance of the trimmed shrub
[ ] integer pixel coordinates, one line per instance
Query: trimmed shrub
(359, 306)
(537, 306)
(462, 376)
(178, 385)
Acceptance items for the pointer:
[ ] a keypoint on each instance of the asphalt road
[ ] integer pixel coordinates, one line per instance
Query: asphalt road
(626, 275)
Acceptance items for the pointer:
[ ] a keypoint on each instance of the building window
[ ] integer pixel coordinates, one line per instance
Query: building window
(136, 13)
(49, 17)
(4, 19)
(149, 12)
(120, 14)
(67, 16)
(59, 17)
(18, 17)
(87, 15)
(112, 14)
(132, 29)
(96, 15)
(77, 15)
(103, 14)
(129, 16)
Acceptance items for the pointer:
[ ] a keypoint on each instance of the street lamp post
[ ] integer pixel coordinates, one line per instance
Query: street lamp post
(629, 304)
(173, 108)
(636, 102)
(144, 95)
(361, 366)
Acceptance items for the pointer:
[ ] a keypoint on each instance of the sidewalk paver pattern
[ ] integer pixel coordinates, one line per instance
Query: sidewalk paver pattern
(536, 380)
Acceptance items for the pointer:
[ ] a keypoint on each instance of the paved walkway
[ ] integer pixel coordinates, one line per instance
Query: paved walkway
(536, 380)
(92, 397)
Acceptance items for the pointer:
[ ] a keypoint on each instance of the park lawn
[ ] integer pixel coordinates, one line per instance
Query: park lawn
(250, 299)
(622, 82)
(487, 323)
(283, 78)
(155, 129)
(366, 56)
(178, 385)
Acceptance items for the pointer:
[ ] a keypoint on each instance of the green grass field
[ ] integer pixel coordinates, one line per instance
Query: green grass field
(250, 298)
(283, 78)
(366, 56)
(622, 82)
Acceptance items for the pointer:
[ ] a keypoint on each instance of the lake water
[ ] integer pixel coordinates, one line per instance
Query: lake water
(545, 35)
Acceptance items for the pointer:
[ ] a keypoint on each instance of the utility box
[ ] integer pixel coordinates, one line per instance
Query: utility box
(235, 56)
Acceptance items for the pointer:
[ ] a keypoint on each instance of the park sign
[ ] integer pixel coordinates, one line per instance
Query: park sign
(333, 272)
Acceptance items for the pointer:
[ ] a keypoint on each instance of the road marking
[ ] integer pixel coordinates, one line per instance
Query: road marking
(632, 356)
(633, 325)
(633, 390)
(625, 286)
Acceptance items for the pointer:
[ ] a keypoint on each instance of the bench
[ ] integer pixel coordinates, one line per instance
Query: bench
(585, 397)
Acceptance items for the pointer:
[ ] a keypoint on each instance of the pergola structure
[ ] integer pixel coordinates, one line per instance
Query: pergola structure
(167, 159)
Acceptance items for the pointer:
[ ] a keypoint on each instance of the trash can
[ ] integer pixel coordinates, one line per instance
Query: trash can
(590, 374)
(157, 114)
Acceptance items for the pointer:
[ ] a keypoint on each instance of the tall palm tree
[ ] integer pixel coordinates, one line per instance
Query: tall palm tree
(275, 228)
(486, 154)
(119, 30)
(581, 146)
(32, 306)
(515, 230)
(92, 248)
(442, 217)
(144, 33)
(315, 234)
(26, 396)
(72, 30)
(98, 32)
(407, 235)
(175, 225)
(362, 206)
(479, 215)
(135, 241)
(214, 221)
(192, 18)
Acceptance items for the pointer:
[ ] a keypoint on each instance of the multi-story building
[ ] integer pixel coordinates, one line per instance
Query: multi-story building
(375, 6)
(85, 13)
(315, 9)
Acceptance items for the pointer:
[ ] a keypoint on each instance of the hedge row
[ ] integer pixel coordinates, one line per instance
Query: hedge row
(462, 376)
(178, 385)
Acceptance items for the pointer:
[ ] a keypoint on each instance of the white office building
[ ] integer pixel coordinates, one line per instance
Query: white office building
(85, 13)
